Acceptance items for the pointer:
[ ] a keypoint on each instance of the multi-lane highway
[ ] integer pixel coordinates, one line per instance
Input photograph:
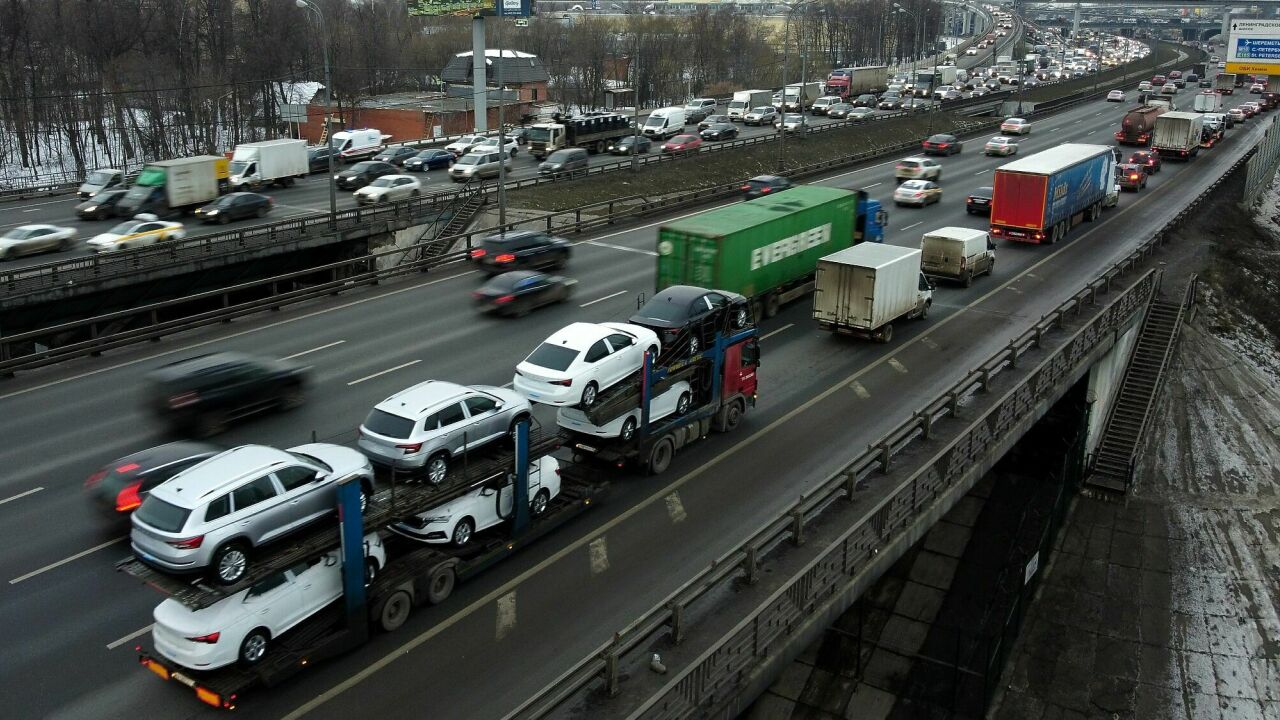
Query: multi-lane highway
(73, 619)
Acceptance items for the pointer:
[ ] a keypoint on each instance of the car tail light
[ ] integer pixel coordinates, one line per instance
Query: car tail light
(505, 258)
(129, 497)
(95, 478)
(478, 253)
(1133, 177)
(562, 383)
(410, 448)
(188, 543)
(765, 190)
(504, 299)
(745, 188)
(182, 400)
(1036, 236)
(996, 231)
(211, 638)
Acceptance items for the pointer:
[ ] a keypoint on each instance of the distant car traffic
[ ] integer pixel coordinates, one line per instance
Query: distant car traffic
(33, 239)
(762, 185)
(917, 192)
(235, 206)
(518, 292)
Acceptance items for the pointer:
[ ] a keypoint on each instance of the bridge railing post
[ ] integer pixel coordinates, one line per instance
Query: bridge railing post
(677, 622)
(611, 665)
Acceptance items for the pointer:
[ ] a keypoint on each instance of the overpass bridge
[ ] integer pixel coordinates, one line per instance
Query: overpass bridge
(885, 436)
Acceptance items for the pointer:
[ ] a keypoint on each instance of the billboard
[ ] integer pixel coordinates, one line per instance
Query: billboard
(448, 7)
(1253, 47)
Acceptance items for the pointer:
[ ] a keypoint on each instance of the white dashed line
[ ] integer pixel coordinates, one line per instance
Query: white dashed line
(893, 363)
(868, 187)
(1013, 289)
(859, 390)
(64, 561)
(983, 172)
(33, 491)
(117, 643)
(606, 297)
(788, 326)
(384, 372)
(598, 551)
(913, 225)
(314, 349)
(623, 248)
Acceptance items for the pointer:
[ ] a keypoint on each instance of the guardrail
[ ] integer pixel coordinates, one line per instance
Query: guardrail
(859, 544)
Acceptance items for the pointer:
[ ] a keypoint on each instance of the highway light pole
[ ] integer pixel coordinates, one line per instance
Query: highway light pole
(915, 49)
(328, 100)
(786, 43)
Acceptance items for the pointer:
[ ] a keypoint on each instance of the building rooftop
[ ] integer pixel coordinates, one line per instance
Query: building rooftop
(517, 67)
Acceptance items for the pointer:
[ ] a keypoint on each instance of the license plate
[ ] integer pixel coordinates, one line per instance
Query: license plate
(586, 448)
(979, 202)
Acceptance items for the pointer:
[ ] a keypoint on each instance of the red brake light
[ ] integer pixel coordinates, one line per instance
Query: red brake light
(211, 638)
(478, 253)
(562, 383)
(504, 299)
(183, 399)
(745, 188)
(95, 478)
(766, 189)
(129, 498)
(996, 231)
(187, 544)
(1133, 177)
(410, 448)
(505, 258)
(127, 468)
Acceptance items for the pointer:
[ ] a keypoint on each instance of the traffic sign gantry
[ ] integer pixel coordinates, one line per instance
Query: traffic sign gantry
(1254, 47)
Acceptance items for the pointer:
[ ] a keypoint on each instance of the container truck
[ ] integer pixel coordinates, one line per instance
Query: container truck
(854, 81)
(800, 96)
(862, 290)
(1207, 102)
(1039, 198)
(1178, 135)
(593, 132)
(257, 165)
(744, 100)
(172, 187)
(1225, 83)
(1138, 124)
(766, 249)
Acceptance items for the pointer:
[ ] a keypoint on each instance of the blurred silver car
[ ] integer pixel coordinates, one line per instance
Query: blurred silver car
(32, 239)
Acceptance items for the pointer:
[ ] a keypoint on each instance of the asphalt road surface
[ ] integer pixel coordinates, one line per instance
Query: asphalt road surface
(73, 620)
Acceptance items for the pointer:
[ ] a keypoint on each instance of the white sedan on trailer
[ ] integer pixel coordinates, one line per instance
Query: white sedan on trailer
(240, 628)
(580, 361)
(676, 400)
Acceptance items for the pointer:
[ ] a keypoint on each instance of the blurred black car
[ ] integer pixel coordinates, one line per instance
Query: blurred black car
(865, 100)
(101, 206)
(762, 185)
(979, 202)
(235, 206)
(318, 159)
(396, 155)
(520, 251)
(429, 160)
(363, 173)
(713, 120)
(680, 312)
(890, 101)
(839, 110)
(119, 487)
(1148, 159)
(516, 293)
(205, 393)
(720, 131)
(941, 144)
(630, 144)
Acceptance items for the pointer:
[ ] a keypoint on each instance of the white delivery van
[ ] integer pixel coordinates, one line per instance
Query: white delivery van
(353, 145)
(664, 123)
(744, 100)
(256, 165)
(863, 289)
(957, 253)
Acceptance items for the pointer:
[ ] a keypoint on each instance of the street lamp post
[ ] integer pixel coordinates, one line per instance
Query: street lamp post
(915, 50)
(328, 100)
(786, 42)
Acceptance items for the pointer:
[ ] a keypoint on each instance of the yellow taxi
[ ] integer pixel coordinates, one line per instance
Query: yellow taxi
(142, 230)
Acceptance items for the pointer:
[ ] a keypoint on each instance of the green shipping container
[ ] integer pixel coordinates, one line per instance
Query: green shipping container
(769, 243)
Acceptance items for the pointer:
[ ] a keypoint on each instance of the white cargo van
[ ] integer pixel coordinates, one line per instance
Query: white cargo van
(957, 253)
(664, 123)
(353, 145)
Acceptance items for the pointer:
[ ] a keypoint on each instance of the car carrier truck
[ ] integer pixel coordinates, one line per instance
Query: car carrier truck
(593, 132)
(766, 249)
(1039, 198)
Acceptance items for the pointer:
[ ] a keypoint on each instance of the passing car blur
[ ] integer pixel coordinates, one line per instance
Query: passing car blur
(363, 173)
(101, 206)
(143, 229)
(33, 239)
(978, 202)
(204, 394)
(941, 144)
(713, 120)
(682, 144)
(388, 188)
(396, 155)
(1015, 126)
(1131, 176)
(235, 206)
(518, 292)
(791, 123)
(631, 145)
(120, 486)
(839, 110)
(523, 250)
(1000, 145)
(762, 185)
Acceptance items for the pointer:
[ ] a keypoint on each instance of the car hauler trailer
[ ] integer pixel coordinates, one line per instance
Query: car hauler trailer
(421, 574)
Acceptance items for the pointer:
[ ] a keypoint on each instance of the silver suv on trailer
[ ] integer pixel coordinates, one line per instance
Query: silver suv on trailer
(214, 514)
(429, 424)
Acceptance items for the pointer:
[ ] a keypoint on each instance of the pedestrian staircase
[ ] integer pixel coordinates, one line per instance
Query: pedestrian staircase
(460, 212)
(1111, 468)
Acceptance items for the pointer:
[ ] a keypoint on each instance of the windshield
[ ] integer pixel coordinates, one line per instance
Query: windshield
(152, 176)
(738, 104)
(124, 228)
(913, 185)
(655, 121)
(238, 166)
(361, 167)
(98, 177)
(16, 234)
(762, 110)
(552, 357)
(162, 515)
(537, 134)
(468, 160)
(561, 156)
(388, 425)
(382, 182)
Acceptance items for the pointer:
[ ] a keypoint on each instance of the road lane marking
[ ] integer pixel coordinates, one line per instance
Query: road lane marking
(117, 643)
(21, 495)
(980, 172)
(598, 552)
(860, 390)
(623, 248)
(314, 349)
(788, 326)
(675, 508)
(606, 297)
(506, 620)
(908, 227)
(384, 372)
(1013, 289)
(64, 561)
(864, 187)
(31, 210)
(893, 363)
(928, 342)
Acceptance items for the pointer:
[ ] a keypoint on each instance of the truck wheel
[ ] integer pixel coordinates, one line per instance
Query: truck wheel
(732, 416)
(660, 455)
(440, 587)
(924, 312)
(884, 334)
(771, 304)
(395, 611)
(757, 309)
(968, 279)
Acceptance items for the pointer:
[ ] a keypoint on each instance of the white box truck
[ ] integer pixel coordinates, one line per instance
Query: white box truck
(171, 187)
(270, 162)
(1177, 135)
(957, 253)
(798, 97)
(1208, 102)
(863, 289)
(744, 100)
(664, 123)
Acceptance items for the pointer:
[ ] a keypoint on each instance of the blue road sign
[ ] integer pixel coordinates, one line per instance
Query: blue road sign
(1257, 49)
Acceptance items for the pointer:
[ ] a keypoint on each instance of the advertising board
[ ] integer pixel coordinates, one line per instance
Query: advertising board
(1253, 47)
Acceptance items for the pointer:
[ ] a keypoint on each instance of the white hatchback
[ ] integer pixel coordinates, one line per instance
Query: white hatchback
(676, 400)
(583, 359)
(240, 628)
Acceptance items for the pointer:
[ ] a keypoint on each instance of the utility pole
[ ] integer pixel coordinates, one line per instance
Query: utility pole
(502, 132)
(635, 109)
(328, 101)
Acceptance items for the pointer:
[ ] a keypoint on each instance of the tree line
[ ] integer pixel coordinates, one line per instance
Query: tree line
(112, 83)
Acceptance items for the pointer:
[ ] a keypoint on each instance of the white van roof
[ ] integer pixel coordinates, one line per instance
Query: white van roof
(956, 233)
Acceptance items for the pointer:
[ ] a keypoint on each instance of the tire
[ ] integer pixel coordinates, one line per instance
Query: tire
(740, 317)
(254, 647)
(660, 456)
(968, 279)
(628, 430)
(771, 305)
(757, 309)
(540, 503)
(682, 405)
(437, 468)
(262, 212)
(440, 586)
(885, 334)
(589, 395)
(395, 611)
(64, 244)
(370, 571)
(415, 194)
(462, 532)
(224, 219)
(230, 563)
(924, 313)
(732, 416)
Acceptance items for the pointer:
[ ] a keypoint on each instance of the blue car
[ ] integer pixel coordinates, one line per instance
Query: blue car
(429, 160)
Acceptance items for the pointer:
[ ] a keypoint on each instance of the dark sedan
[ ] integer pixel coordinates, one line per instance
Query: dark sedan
(396, 155)
(318, 159)
(941, 144)
(1148, 159)
(101, 206)
(890, 101)
(235, 206)
(520, 251)
(762, 185)
(429, 160)
(363, 173)
(631, 145)
(203, 394)
(865, 100)
(713, 120)
(993, 85)
(979, 202)
(839, 111)
(720, 131)
(678, 311)
(119, 487)
(516, 293)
